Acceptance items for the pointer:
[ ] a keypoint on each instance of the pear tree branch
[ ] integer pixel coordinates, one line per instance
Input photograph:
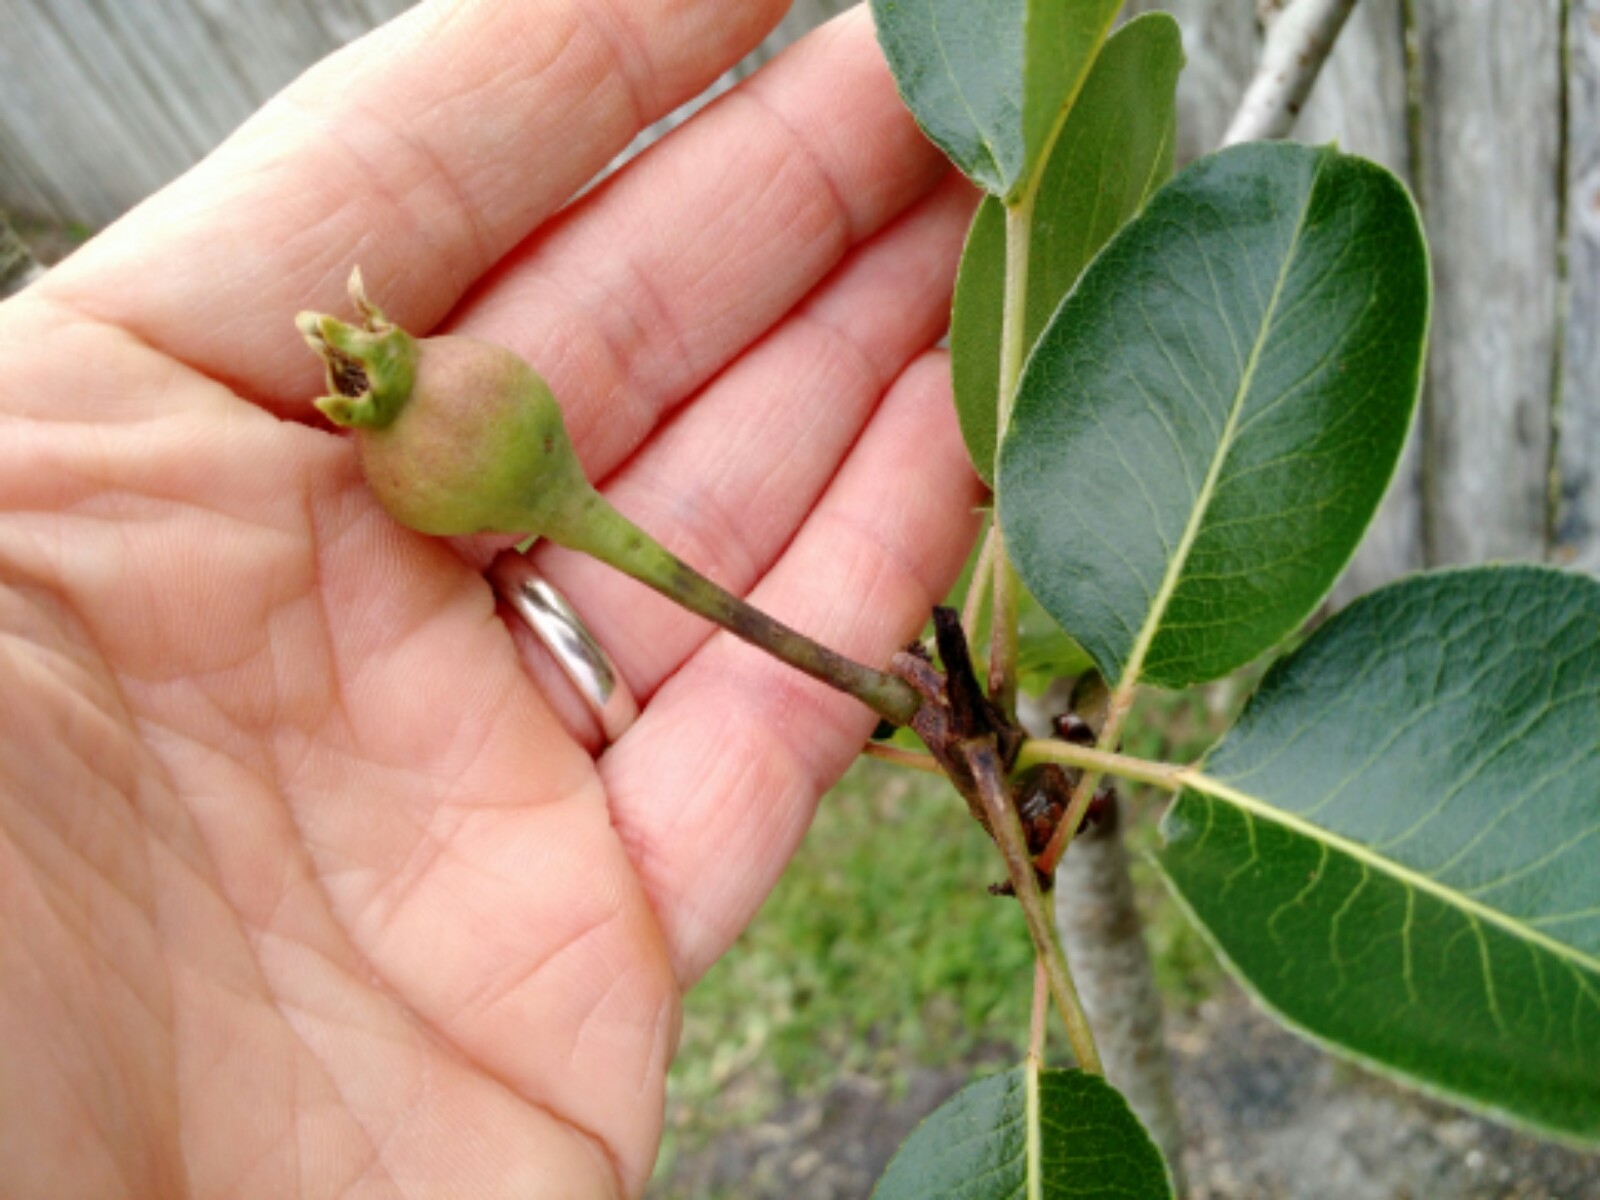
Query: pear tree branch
(1298, 43)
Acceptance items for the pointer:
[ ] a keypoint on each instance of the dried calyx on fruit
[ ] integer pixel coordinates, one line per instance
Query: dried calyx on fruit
(458, 436)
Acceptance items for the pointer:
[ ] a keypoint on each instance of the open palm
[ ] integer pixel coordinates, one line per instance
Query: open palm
(311, 881)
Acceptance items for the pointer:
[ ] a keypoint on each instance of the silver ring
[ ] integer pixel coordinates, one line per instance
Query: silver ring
(567, 638)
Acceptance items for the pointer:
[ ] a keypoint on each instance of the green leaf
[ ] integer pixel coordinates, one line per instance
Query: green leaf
(1114, 151)
(1204, 430)
(1028, 1133)
(977, 323)
(1061, 39)
(1396, 849)
(988, 79)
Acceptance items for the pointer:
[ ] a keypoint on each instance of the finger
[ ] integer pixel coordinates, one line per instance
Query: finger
(726, 484)
(424, 152)
(718, 781)
(646, 289)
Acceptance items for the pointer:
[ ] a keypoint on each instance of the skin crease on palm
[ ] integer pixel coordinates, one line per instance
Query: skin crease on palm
(311, 882)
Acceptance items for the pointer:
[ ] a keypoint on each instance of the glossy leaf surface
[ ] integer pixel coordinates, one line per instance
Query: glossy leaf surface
(1085, 1142)
(1114, 151)
(1396, 849)
(1205, 428)
(987, 79)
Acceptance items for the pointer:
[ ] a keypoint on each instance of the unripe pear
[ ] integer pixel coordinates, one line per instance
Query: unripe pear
(456, 436)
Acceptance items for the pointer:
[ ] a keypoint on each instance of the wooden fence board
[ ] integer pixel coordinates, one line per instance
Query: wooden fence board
(186, 74)
(111, 142)
(263, 45)
(1578, 462)
(1489, 80)
(803, 16)
(22, 190)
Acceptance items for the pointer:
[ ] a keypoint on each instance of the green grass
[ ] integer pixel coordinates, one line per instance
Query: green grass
(880, 950)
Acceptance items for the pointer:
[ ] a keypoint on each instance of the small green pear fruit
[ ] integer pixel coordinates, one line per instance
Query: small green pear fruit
(456, 436)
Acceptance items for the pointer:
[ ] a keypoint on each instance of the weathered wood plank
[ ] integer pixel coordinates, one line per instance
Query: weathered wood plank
(1489, 80)
(190, 79)
(22, 185)
(263, 46)
(87, 121)
(102, 101)
(1578, 460)
(1360, 101)
(1360, 97)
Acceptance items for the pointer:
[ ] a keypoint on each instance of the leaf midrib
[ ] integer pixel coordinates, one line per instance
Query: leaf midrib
(1134, 667)
(1035, 1118)
(1214, 787)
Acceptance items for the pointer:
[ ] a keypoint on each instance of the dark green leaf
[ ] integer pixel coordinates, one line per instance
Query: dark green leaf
(1398, 847)
(1114, 151)
(977, 1146)
(1205, 428)
(985, 100)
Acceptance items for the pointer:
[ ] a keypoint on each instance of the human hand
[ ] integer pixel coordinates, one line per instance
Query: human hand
(313, 882)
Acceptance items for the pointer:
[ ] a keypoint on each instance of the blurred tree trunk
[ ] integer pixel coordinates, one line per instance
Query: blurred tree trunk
(1104, 939)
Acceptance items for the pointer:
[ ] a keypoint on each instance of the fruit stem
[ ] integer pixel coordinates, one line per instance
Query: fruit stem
(593, 527)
